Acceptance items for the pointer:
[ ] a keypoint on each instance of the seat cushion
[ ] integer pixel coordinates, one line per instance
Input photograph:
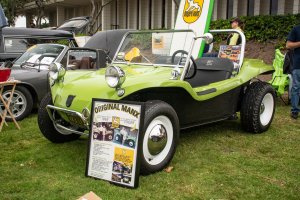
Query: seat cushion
(210, 70)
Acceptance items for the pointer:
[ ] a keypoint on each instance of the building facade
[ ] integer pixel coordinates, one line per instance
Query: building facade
(153, 14)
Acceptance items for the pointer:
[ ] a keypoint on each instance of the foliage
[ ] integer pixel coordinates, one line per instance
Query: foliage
(263, 28)
(217, 161)
(10, 9)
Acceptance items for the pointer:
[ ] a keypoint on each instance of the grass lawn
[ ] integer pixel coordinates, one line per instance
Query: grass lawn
(217, 161)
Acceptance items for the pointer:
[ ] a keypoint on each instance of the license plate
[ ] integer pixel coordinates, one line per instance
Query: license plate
(75, 120)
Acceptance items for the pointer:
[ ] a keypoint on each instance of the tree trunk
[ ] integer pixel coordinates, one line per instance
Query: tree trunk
(94, 16)
(40, 12)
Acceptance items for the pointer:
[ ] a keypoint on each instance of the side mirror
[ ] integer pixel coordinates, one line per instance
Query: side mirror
(8, 64)
(208, 37)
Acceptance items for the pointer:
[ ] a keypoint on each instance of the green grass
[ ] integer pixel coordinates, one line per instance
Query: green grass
(217, 161)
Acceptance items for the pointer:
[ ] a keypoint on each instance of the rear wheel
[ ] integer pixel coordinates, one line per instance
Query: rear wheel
(258, 107)
(47, 127)
(160, 138)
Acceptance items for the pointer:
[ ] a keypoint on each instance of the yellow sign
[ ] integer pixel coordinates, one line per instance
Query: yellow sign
(124, 155)
(192, 10)
(158, 42)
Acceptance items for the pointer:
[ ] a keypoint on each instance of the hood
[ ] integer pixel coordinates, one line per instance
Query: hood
(85, 85)
(26, 74)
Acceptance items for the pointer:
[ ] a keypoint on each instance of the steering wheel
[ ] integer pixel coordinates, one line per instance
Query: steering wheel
(193, 61)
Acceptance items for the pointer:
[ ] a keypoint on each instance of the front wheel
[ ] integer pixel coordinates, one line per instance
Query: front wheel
(47, 127)
(258, 107)
(160, 138)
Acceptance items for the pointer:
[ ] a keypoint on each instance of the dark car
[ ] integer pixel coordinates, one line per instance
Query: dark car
(33, 66)
(76, 25)
(15, 41)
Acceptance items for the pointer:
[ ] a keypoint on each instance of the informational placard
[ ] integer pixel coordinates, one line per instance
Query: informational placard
(113, 144)
(230, 52)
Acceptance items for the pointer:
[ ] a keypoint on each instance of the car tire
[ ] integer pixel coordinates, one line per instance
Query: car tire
(131, 143)
(21, 104)
(47, 127)
(258, 107)
(157, 155)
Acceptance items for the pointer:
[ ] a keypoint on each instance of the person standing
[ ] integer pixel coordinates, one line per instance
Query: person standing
(234, 38)
(293, 43)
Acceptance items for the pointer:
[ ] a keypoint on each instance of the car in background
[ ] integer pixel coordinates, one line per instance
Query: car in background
(33, 66)
(77, 25)
(32, 70)
(15, 41)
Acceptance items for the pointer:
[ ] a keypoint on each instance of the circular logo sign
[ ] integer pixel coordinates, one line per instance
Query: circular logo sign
(192, 10)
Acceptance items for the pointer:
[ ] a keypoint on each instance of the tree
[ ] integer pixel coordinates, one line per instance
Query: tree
(94, 15)
(40, 11)
(10, 7)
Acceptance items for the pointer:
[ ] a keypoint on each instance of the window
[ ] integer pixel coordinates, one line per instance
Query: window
(250, 10)
(273, 7)
(229, 9)
(16, 45)
(20, 45)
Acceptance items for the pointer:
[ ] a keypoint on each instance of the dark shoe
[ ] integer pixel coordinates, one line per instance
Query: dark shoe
(294, 115)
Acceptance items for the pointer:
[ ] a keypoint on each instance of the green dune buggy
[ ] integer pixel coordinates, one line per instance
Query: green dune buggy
(180, 91)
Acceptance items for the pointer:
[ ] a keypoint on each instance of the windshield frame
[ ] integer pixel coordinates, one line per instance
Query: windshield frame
(154, 31)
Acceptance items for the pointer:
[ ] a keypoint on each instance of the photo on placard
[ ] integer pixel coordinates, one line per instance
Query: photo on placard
(102, 131)
(116, 177)
(125, 136)
(122, 165)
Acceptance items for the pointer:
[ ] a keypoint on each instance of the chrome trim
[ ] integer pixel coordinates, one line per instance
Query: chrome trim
(68, 130)
(157, 139)
(62, 129)
(186, 66)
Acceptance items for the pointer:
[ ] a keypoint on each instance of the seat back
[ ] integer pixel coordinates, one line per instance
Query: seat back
(86, 63)
(211, 70)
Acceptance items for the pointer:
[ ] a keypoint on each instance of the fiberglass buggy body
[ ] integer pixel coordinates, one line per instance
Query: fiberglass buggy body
(179, 91)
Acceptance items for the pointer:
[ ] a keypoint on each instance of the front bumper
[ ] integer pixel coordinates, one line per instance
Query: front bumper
(78, 126)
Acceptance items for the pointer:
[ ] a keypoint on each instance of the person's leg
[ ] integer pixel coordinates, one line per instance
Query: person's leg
(290, 86)
(295, 92)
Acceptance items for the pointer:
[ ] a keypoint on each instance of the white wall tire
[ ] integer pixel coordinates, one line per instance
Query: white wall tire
(258, 107)
(160, 138)
(266, 109)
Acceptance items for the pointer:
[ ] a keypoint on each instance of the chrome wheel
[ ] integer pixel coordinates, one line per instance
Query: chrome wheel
(158, 140)
(18, 103)
(266, 109)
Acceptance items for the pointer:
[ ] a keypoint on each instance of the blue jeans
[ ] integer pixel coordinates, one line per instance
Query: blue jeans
(295, 91)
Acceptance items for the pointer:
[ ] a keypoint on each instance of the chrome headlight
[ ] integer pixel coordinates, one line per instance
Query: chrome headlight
(56, 71)
(114, 76)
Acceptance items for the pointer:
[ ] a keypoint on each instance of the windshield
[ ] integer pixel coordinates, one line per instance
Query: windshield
(74, 23)
(43, 54)
(155, 48)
